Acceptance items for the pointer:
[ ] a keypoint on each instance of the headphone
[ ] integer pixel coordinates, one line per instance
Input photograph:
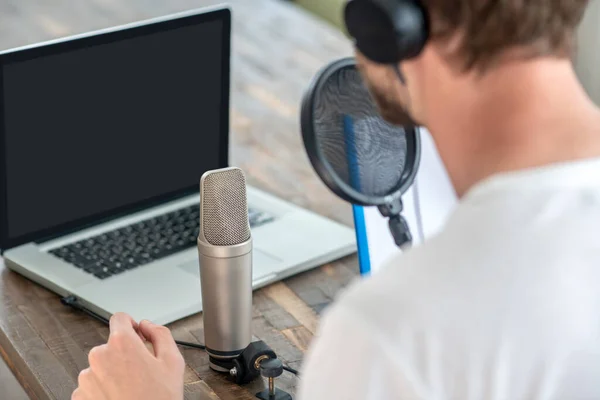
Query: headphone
(387, 31)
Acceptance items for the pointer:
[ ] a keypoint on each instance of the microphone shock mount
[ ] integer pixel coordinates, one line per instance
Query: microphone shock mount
(258, 359)
(397, 224)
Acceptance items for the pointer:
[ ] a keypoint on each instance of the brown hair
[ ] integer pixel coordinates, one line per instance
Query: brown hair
(489, 27)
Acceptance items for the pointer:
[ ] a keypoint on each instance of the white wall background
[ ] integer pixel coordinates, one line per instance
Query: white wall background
(587, 60)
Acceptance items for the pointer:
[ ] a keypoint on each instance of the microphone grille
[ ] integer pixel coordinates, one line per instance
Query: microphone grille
(224, 217)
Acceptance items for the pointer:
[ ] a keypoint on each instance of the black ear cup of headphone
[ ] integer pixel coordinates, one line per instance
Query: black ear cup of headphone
(387, 31)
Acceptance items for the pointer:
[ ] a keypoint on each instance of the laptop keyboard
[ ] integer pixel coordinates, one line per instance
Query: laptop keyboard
(136, 245)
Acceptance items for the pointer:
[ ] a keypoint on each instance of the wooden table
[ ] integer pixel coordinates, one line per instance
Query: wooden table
(276, 50)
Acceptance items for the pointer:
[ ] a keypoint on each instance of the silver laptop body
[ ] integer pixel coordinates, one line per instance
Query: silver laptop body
(136, 255)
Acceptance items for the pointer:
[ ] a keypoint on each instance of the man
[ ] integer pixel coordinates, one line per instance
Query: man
(503, 303)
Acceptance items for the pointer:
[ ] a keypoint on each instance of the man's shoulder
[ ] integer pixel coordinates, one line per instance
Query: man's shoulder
(481, 258)
(410, 288)
(399, 291)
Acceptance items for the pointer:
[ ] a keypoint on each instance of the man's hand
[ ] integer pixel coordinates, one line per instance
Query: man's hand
(138, 362)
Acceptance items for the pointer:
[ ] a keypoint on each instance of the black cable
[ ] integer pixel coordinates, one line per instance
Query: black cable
(193, 345)
(292, 370)
(71, 301)
(419, 215)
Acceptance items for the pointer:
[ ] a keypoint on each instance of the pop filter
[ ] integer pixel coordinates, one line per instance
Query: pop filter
(359, 156)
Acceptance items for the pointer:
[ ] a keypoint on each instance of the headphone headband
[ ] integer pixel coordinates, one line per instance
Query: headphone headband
(387, 31)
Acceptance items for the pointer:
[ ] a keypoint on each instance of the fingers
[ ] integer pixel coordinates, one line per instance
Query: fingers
(150, 347)
(140, 334)
(88, 387)
(125, 334)
(77, 395)
(122, 317)
(100, 360)
(162, 341)
(121, 322)
(97, 356)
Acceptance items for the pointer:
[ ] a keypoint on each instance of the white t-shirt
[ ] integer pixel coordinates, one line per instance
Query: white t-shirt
(503, 304)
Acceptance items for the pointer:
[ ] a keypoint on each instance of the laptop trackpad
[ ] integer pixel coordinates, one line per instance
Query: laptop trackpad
(262, 264)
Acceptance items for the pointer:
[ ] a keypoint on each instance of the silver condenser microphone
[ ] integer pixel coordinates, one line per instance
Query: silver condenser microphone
(225, 252)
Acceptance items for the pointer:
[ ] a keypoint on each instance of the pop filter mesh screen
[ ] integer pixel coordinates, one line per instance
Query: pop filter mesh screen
(364, 151)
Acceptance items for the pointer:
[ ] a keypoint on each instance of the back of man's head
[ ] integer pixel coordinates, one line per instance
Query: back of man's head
(493, 81)
(486, 29)
(473, 36)
(497, 86)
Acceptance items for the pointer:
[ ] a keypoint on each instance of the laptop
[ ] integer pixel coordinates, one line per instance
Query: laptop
(104, 139)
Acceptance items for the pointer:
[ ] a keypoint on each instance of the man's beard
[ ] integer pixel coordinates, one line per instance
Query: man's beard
(390, 106)
(389, 102)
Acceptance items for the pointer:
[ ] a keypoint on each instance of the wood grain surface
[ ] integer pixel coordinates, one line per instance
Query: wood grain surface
(277, 48)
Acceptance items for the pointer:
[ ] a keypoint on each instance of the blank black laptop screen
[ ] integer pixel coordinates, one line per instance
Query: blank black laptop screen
(102, 125)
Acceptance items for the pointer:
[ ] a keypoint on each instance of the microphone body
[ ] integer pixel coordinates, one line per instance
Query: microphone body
(225, 257)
